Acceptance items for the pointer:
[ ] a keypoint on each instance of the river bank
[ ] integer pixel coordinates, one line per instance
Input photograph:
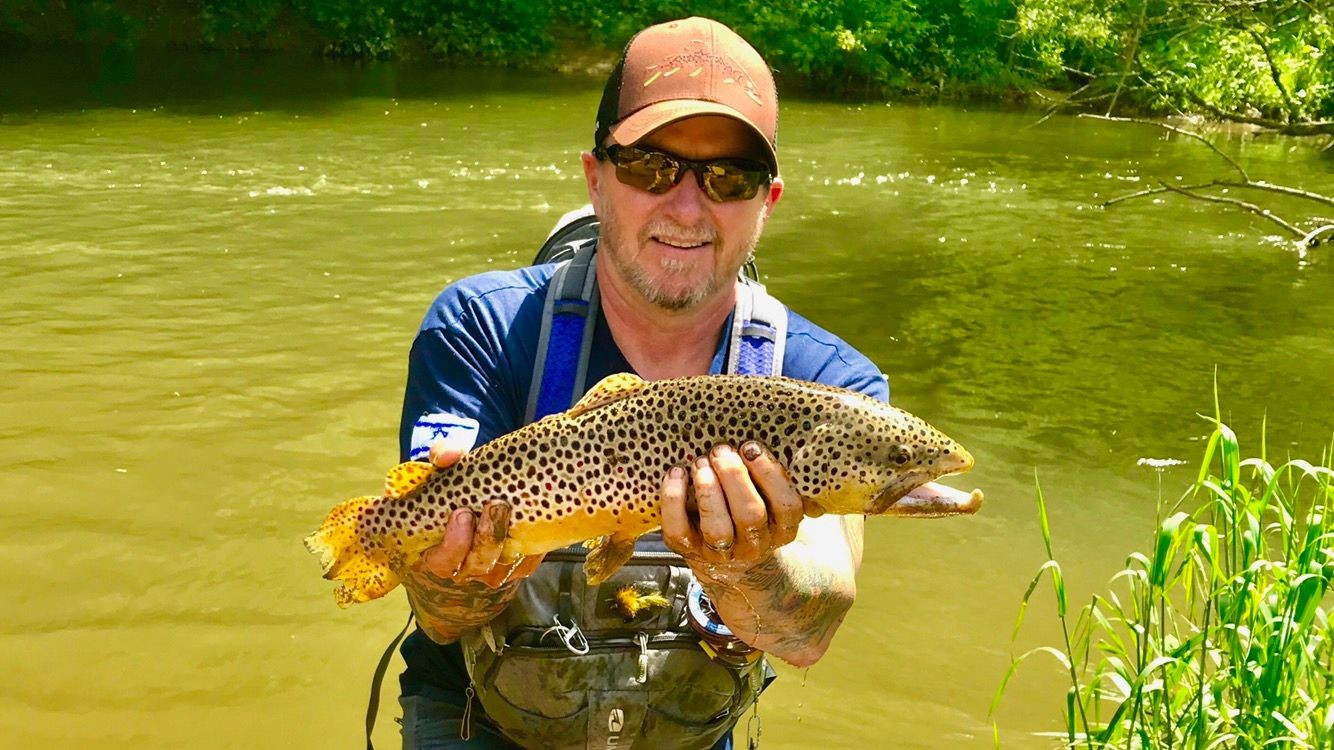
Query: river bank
(1228, 60)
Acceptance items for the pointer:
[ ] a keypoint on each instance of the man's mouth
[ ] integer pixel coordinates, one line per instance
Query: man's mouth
(681, 244)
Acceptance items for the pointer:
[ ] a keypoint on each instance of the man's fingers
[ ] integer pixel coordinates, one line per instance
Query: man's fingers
(677, 531)
(487, 541)
(446, 452)
(445, 558)
(749, 518)
(781, 498)
(715, 521)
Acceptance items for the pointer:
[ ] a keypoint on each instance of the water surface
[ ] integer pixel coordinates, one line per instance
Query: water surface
(211, 272)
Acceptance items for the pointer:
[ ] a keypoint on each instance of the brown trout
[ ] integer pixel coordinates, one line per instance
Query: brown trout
(592, 474)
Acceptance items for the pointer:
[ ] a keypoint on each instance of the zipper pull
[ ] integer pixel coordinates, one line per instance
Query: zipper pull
(465, 727)
(642, 640)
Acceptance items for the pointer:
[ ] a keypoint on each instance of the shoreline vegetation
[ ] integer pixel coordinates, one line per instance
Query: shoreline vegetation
(1221, 634)
(1264, 64)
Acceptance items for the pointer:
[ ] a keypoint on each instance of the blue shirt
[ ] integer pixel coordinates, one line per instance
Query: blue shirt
(474, 357)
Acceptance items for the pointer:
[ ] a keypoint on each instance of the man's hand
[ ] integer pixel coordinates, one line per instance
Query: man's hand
(745, 507)
(781, 584)
(460, 583)
(471, 548)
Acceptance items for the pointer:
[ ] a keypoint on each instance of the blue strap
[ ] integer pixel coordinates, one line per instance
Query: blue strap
(566, 338)
(758, 333)
(562, 360)
(755, 356)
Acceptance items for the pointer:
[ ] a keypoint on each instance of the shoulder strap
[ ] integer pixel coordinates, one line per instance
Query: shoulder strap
(759, 332)
(566, 337)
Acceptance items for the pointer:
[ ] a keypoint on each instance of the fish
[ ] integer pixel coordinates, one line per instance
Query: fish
(593, 473)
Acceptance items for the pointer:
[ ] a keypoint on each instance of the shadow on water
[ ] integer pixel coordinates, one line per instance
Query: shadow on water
(56, 80)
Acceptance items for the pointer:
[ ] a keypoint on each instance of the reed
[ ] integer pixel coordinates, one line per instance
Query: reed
(1220, 635)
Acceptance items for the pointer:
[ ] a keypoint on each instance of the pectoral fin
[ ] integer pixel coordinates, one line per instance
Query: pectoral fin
(606, 555)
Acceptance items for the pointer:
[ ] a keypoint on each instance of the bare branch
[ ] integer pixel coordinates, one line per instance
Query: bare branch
(1266, 213)
(1282, 189)
(1316, 127)
(1313, 237)
(1151, 191)
(1182, 131)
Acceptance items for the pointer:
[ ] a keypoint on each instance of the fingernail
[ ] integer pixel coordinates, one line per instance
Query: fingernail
(751, 450)
(497, 511)
(721, 449)
(460, 513)
(676, 472)
(702, 463)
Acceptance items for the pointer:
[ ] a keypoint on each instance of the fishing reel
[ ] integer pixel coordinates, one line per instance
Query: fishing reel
(716, 638)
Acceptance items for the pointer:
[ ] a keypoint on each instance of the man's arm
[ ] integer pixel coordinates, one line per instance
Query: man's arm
(781, 583)
(792, 602)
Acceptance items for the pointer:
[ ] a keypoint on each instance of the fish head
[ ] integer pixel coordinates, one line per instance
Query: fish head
(907, 454)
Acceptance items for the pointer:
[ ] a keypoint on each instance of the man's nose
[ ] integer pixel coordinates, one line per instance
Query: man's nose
(686, 200)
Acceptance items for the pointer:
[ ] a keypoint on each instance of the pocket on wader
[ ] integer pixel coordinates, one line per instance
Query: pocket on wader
(544, 697)
(596, 679)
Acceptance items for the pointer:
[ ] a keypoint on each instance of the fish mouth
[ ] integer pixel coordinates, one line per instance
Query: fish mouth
(914, 494)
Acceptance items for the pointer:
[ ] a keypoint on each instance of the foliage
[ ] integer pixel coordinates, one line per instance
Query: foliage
(1267, 60)
(1219, 636)
(1260, 59)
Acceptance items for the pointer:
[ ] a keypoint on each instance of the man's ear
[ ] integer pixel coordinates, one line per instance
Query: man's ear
(591, 177)
(775, 192)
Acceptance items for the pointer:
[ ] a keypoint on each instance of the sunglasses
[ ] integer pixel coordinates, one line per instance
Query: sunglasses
(657, 172)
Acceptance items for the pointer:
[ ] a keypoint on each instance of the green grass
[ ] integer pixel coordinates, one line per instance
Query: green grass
(1221, 635)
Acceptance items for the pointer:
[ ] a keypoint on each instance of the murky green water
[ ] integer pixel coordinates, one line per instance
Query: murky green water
(210, 272)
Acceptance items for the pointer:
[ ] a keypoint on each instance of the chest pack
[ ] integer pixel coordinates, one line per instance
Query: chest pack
(569, 665)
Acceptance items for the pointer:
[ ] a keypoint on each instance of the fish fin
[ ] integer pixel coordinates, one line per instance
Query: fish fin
(363, 573)
(606, 555)
(609, 389)
(407, 478)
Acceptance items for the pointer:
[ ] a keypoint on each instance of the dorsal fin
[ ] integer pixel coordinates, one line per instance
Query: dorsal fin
(406, 478)
(609, 389)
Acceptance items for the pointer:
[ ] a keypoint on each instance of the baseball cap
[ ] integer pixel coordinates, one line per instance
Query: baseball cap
(679, 69)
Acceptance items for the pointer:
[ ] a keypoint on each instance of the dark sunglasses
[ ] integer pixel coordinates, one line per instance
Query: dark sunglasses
(721, 180)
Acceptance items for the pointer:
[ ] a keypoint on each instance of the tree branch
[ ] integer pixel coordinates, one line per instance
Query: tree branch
(1290, 109)
(1263, 212)
(1181, 131)
(1316, 127)
(1281, 189)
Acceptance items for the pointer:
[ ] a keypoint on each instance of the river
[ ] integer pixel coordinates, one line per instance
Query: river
(211, 268)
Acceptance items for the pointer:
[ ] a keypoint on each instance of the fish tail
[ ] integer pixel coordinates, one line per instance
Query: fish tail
(363, 573)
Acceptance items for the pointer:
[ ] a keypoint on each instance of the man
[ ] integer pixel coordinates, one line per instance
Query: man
(683, 176)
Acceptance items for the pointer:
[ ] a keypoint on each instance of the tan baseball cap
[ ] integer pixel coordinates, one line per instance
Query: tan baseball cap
(679, 69)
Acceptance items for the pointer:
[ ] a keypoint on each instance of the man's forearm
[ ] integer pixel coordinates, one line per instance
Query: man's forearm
(789, 604)
(446, 609)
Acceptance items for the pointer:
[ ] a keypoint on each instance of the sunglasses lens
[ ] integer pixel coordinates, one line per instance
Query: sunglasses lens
(646, 170)
(731, 182)
(723, 179)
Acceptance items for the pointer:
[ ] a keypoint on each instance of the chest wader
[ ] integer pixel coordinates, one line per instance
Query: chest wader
(562, 666)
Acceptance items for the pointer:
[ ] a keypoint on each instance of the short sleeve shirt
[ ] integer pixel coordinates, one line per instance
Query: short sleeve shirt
(474, 356)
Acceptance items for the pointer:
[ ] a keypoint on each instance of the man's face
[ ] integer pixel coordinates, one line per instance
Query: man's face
(679, 248)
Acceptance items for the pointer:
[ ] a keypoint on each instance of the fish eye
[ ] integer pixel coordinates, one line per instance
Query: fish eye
(901, 454)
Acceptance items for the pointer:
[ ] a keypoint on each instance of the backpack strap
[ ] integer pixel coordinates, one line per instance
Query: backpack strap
(759, 332)
(566, 337)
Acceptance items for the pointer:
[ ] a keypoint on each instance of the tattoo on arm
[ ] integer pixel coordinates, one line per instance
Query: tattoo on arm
(795, 603)
(447, 609)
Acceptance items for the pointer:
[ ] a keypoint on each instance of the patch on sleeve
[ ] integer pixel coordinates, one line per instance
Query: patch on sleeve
(432, 427)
